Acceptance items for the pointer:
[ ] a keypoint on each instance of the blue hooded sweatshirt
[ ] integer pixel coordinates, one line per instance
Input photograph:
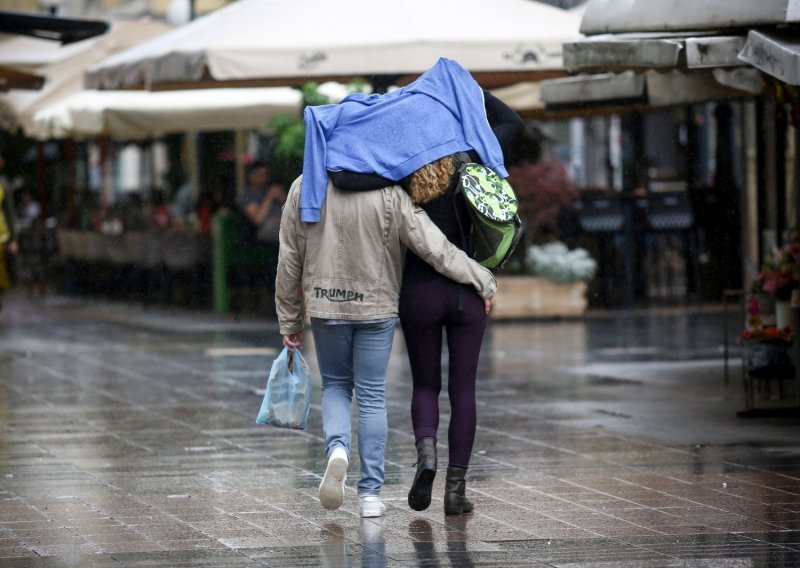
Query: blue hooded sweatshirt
(394, 134)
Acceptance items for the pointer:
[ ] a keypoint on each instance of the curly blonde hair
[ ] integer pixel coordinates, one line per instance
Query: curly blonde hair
(431, 180)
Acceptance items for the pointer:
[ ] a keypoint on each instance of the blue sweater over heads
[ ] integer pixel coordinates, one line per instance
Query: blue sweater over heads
(394, 134)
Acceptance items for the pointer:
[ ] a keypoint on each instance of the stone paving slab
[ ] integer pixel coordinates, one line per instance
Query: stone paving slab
(127, 438)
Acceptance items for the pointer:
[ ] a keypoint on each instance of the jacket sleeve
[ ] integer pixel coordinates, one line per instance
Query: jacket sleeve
(291, 258)
(319, 121)
(425, 239)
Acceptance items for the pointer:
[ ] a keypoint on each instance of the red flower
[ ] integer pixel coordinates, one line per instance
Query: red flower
(770, 334)
(543, 189)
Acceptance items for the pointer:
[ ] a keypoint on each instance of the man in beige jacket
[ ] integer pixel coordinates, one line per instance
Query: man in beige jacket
(345, 272)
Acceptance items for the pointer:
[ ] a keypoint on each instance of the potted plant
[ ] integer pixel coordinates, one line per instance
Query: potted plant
(767, 347)
(772, 289)
(545, 193)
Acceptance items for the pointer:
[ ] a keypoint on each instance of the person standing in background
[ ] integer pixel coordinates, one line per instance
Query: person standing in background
(8, 242)
(29, 210)
(261, 204)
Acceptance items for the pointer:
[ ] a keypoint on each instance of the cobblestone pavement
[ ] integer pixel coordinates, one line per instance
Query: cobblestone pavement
(127, 438)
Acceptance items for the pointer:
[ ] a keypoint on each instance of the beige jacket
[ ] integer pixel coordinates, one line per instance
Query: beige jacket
(349, 265)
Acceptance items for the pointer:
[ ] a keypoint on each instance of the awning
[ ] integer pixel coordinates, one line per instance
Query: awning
(605, 88)
(649, 88)
(775, 53)
(274, 42)
(521, 97)
(621, 16)
(30, 52)
(653, 51)
(135, 114)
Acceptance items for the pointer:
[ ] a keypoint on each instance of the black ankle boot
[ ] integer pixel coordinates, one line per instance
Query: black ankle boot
(419, 496)
(455, 501)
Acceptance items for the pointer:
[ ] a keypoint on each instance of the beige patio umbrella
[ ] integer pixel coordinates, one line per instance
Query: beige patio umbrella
(135, 114)
(274, 42)
(22, 56)
(61, 66)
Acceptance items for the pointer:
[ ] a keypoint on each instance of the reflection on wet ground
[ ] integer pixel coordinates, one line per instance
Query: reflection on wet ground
(128, 437)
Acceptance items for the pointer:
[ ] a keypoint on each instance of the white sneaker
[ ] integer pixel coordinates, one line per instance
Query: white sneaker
(371, 506)
(331, 490)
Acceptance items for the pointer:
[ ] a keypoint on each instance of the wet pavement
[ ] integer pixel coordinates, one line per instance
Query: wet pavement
(128, 438)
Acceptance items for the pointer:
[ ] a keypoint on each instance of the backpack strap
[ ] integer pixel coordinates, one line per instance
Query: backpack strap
(460, 160)
(460, 222)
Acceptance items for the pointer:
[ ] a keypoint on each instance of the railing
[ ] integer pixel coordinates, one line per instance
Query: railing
(154, 268)
(147, 250)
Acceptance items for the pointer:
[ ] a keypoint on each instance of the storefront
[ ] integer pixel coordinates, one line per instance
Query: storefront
(643, 56)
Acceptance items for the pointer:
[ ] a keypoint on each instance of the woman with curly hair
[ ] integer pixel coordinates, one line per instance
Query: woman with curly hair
(428, 304)
(431, 303)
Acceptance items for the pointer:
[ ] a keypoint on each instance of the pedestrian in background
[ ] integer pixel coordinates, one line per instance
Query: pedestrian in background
(29, 210)
(346, 271)
(261, 204)
(8, 242)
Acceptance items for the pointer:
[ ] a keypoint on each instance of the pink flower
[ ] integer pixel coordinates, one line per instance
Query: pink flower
(778, 282)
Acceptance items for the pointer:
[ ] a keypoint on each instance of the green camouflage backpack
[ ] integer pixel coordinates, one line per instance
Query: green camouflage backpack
(492, 205)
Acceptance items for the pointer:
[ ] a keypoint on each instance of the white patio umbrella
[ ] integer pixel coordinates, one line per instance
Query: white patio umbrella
(262, 42)
(135, 114)
(61, 66)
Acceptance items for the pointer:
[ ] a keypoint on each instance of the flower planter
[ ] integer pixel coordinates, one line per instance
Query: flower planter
(783, 313)
(765, 305)
(759, 356)
(143, 249)
(520, 297)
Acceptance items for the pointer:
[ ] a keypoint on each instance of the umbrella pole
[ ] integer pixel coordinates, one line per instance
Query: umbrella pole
(193, 159)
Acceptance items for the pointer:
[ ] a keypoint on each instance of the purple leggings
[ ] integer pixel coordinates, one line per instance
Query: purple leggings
(424, 309)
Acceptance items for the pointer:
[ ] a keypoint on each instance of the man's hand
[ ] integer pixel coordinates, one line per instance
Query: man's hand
(294, 341)
(13, 247)
(488, 303)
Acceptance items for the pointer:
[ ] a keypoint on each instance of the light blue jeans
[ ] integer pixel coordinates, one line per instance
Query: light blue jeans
(354, 356)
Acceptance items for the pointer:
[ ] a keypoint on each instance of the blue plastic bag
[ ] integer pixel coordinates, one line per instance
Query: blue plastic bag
(288, 397)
